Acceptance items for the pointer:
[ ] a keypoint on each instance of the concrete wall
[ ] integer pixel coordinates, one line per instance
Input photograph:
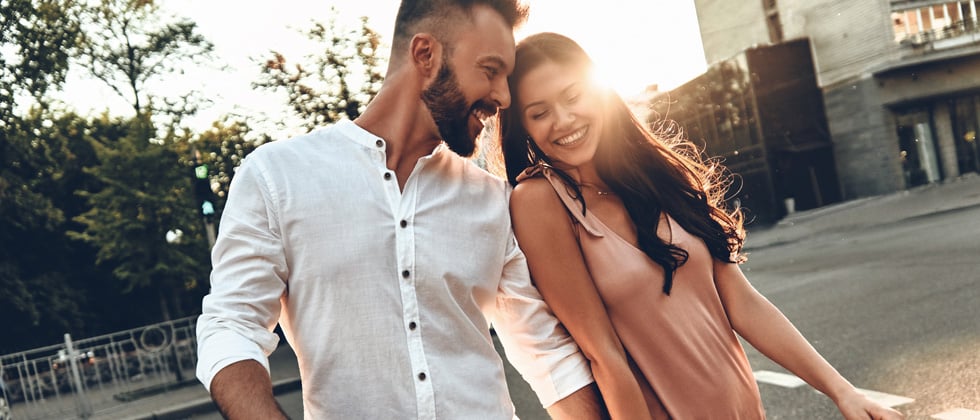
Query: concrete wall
(728, 27)
(849, 38)
(865, 141)
(942, 78)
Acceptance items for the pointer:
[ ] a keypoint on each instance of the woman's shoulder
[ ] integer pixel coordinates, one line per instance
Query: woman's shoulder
(533, 191)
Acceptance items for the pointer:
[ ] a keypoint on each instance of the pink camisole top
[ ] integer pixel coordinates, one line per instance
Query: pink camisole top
(683, 351)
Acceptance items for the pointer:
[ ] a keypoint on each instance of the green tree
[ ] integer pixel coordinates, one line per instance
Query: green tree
(146, 187)
(130, 43)
(36, 40)
(146, 193)
(223, 147)
(46, 277)
(334, 83)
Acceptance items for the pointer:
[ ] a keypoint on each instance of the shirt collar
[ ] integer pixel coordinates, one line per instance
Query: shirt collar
(360, 136)
(367, 139)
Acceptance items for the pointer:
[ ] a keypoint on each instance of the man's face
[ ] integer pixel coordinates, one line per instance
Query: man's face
(472, 80)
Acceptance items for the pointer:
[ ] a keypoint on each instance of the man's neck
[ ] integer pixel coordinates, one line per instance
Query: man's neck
(404, 123)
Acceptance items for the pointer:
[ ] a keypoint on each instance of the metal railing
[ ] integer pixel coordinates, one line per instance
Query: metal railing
(927, 39)
(78, 378)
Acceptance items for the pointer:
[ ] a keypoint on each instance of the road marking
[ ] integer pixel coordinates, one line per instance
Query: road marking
(887, 400)
(778, 379)
(792, 381)
(958, 414)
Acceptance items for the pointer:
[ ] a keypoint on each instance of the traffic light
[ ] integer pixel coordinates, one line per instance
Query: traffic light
(202, 190)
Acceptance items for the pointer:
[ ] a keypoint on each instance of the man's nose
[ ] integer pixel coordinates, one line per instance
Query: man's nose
(500, 93)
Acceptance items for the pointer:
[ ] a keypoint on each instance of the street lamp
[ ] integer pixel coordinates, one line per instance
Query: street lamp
(174, 236)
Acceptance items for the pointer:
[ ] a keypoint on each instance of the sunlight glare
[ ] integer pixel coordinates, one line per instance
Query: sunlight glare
(634, 44)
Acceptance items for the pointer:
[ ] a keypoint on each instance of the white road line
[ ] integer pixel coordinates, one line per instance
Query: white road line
(887, 400)
(779, 379)
(958, 414)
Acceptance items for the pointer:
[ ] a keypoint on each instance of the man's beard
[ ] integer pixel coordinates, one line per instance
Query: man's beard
(446, 103)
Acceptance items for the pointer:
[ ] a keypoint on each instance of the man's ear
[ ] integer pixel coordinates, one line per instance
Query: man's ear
(426, 54)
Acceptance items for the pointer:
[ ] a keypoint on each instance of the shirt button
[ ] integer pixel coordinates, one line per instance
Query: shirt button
(387, 176)
(403, 223)
(379, 143)
(422, 376)
(412, 325)
(406, 273)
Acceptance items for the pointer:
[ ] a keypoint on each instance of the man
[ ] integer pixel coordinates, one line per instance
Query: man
(385, 256)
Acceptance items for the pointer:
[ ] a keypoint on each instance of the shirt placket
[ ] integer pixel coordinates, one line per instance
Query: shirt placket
(403, 205)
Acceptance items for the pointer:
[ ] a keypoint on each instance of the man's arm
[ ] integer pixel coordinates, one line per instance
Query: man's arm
(243, 390)
(540, 348)
(585, 403)
(234, 331)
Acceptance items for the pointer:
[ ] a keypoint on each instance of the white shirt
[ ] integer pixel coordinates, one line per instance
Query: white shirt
(386, 296)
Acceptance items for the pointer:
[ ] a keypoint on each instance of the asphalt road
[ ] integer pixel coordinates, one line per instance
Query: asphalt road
(895, 307)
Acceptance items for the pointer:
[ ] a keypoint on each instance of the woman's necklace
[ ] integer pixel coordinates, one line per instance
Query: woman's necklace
(596, 189)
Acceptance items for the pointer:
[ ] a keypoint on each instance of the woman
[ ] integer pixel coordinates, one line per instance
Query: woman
(628, 240)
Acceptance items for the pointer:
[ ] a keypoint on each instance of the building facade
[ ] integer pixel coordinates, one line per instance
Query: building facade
(900, 80)
(762, 114)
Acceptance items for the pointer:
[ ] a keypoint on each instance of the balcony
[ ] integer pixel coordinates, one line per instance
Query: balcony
(957, 34)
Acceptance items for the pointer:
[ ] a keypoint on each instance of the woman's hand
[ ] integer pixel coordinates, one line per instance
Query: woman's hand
(857, 406)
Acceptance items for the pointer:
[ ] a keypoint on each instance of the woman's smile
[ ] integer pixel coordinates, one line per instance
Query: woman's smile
(574, 138)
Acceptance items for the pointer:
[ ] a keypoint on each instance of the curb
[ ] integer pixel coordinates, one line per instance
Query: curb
(206, 405)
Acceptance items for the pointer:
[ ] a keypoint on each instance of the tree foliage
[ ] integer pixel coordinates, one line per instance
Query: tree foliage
(87, 202)
(42, 273)
(336, 82)
(129, 43)
(223, 147)
(145, 193)
(36, 40)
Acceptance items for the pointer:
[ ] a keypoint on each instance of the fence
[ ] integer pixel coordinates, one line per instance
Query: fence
(79, 378)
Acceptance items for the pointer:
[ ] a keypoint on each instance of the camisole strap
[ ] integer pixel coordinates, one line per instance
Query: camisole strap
(565, 192)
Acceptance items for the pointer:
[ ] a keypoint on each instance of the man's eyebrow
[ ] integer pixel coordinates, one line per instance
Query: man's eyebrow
(495, 60)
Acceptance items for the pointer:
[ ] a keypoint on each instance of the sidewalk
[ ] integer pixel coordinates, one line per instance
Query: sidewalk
(194, 399)
(951, 195)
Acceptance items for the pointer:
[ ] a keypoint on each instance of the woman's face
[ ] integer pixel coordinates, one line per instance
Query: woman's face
(561, 109)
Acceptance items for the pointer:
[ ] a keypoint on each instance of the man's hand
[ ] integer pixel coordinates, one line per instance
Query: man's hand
(243, 390)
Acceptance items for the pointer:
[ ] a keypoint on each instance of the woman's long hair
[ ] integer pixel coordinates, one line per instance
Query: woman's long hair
(650, 175)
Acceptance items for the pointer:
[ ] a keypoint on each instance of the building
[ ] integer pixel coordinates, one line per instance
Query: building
(900, 80)
(762, 113)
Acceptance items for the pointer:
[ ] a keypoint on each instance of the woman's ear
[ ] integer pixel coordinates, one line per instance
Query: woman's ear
(426, 54)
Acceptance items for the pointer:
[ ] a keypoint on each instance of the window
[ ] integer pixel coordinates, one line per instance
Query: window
(925, 24)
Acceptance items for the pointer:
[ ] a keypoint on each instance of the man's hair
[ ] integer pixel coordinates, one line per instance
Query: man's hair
(443, 17)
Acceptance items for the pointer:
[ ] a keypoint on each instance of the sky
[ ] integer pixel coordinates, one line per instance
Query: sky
(634, 43)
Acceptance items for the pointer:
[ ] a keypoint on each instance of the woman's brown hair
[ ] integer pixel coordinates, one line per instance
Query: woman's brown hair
(650, 173)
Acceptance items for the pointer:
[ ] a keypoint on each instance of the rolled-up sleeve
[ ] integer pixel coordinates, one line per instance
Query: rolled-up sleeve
(535, 342)
(247, 281)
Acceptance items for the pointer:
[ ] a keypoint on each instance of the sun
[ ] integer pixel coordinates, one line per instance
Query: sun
(634, 43)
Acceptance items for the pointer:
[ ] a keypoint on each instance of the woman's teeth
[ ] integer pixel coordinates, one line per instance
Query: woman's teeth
(572, 138)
